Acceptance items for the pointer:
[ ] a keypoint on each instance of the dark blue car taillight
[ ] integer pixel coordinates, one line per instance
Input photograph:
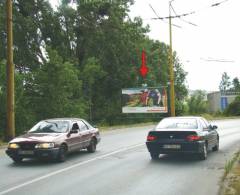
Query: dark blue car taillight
(193, 138)
(151, 138)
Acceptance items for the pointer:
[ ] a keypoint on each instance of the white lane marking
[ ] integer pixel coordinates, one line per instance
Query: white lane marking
(68, 168)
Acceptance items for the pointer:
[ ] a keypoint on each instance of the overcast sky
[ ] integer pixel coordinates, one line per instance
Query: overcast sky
(217, 36)
(200, 48)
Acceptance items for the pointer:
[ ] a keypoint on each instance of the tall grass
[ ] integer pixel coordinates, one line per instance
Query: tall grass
(229, 164)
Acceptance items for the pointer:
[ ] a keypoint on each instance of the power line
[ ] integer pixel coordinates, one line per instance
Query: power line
(159, 17)
(190, 13)
(154, 10)
(217, 4)
(177, 16)
(217, 60)
(182, 18)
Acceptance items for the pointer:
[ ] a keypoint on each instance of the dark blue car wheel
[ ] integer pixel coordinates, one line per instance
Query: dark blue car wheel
(203, 154)
(154, 156)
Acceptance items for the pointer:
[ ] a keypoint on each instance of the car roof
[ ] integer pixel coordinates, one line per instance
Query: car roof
(184, 117)
(68, 119)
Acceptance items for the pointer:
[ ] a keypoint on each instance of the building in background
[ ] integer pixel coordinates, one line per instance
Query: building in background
(219, 100)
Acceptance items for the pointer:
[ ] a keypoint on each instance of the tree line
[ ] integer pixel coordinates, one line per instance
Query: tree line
(73, 61)
(233, 85)
(227, 85)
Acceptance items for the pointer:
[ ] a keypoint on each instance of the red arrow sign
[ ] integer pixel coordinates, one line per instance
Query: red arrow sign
(143, 69)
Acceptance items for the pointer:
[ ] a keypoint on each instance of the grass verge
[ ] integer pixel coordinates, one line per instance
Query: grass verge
(231, 178)
(117, 127)
(218, 117)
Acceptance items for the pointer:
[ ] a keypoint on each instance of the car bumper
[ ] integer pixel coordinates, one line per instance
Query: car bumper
(177, 147)
(36, 153)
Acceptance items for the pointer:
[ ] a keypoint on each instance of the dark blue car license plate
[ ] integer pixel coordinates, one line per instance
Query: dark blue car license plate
(172, 146)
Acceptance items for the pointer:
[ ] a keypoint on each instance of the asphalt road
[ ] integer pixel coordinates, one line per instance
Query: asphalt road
(122, 165)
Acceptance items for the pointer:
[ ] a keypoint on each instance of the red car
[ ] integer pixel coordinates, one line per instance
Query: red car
(53, 139)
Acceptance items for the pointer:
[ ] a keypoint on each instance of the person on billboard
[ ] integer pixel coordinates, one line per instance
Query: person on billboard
(143, 97)
(154, 97)
(158, 99)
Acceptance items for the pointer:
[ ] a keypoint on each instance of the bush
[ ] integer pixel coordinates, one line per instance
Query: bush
(197, 103)
(233, 108)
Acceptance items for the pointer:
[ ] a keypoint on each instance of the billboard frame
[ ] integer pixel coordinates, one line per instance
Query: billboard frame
(157, 100)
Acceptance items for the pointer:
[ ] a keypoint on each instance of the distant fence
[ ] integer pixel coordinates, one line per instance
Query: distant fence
(226, 93)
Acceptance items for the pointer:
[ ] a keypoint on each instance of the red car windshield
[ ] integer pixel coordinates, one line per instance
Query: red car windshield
(50, 127)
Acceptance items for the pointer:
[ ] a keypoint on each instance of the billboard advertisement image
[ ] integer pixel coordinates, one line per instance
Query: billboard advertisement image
(144, 100)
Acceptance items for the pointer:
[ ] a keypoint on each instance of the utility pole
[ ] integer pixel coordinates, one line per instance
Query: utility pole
(171, 72)
(10, 132)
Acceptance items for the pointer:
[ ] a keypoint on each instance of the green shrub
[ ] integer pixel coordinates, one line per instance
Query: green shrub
(233, 108)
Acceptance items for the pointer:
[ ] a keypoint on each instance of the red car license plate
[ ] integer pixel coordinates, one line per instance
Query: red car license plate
(28, 152)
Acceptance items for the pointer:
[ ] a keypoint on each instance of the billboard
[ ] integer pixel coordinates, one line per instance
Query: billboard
(144, 100)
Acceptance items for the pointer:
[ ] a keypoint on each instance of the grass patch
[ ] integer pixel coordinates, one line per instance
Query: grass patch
(231, 177)
(229, 165)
